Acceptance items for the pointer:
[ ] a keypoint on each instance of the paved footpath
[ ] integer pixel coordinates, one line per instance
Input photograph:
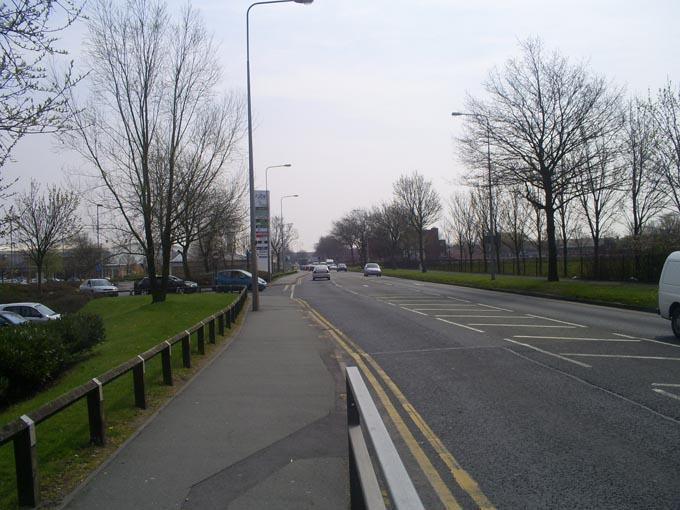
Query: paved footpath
(262, 426)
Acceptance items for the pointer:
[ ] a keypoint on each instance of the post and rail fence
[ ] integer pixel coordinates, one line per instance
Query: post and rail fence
(22, 430)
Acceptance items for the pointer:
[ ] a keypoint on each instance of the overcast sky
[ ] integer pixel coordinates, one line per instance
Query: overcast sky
(355, 93)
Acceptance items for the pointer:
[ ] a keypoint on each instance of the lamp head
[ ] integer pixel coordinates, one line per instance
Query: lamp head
(306, 2)
(287, 165)
(457, 114)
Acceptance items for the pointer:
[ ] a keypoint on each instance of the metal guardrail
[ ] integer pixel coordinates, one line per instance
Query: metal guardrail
(22, 430)
(363, 419)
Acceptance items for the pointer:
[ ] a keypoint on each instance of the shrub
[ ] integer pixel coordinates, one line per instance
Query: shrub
(78, 332)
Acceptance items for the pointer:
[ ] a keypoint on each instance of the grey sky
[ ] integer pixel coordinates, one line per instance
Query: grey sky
(354, 93)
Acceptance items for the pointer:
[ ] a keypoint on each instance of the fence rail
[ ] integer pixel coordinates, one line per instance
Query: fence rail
(363, 483)
(22, 430)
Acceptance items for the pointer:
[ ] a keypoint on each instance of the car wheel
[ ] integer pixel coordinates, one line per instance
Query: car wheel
(179, 290)
(675, 321)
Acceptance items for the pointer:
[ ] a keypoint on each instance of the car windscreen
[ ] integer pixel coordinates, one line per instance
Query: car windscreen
(372, 266)
(45, 310)
(101, 283)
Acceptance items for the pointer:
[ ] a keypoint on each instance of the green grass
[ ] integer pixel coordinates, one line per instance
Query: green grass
(133, 325)
(613, 293)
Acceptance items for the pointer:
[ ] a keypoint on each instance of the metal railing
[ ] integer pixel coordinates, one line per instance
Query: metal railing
(363, 420)
(22, 430)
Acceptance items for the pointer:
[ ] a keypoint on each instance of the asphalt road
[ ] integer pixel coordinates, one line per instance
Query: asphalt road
(515, 401)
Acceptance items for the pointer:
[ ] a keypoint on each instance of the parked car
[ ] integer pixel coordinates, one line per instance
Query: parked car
(11, 319)
(372, 269)
(342, 267)
(669, 292)
(31, 311)
(321, 272)
(175, 284)
(98, 287)
(235, 279)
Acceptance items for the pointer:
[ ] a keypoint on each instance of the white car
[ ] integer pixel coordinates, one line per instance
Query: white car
(32, 311)
(669, 291)
(99, 287)
(372, 269)
(321, 272)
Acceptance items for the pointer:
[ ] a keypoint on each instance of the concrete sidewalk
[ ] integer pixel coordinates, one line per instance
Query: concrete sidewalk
(263, 426)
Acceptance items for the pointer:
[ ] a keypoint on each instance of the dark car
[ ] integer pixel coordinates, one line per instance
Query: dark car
(236, 279)
(175, 284)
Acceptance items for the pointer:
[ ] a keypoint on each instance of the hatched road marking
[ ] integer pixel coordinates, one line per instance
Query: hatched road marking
(548, 353)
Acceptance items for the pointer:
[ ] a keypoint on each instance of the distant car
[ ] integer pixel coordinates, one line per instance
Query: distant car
(98, 287)
(11, 319)
(31, 311)
(342, 267)
(669, 292)
(333, 267)
(175, 284)
(321, 272)
(372, 269)
(234, 279)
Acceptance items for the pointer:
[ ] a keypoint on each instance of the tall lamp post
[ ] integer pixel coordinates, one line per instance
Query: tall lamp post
(283, 247)
(251, 173)
(492, 222)
(99, 246)
(269, 243)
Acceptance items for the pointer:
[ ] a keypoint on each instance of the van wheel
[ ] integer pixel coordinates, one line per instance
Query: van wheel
(675, 321)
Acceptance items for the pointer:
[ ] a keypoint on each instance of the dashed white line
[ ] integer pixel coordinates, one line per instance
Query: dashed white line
(285, 289)
(555, 320)
(623, 356)
(414, 311)
(667, 393)
(576, 338)
(548, 353)
(487, 317)
(495, 307)
(461, 325)
(647, 340)
(667, 385)
(524, 325)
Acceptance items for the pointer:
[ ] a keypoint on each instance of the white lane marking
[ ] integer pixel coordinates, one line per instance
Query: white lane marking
(575, 338)
(461, 325)
(647, 340)
(446, 309)
(292, 291)
(457, 299)
(555, 320)
(667, 385)
(623, 356)
(495, 307)
(285, 289)
(667, 393)
(419, 284)
(487, 316)
(434, 349)
(391, 304)
(424, 303)
(345, 289)
(414, 311)
(364, 285)
(524, 325)
(548, 353)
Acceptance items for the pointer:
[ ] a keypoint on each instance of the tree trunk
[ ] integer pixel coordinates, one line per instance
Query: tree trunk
(421, 252)
(185, 262)
(553, 275)
(596, 257)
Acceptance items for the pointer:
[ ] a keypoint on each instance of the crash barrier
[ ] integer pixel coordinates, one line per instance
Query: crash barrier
(22, 430)
(364, 422)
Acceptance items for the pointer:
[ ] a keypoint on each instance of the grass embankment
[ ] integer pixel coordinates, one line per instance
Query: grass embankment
(133, 325)
(637, 295)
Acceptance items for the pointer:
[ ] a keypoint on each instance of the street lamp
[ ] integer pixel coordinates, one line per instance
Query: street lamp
(251, 173)
(99, 246)
(283, 250)
(492, 223)
(269, 243)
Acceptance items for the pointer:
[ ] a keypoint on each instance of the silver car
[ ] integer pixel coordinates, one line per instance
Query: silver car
(372, 269)
(32, 311)
(99, 287)
(321, 272)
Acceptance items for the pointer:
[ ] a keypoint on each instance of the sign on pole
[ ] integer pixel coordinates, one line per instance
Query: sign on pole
(262, 228)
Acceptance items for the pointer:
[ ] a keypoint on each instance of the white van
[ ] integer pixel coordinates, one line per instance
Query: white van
(669, 291)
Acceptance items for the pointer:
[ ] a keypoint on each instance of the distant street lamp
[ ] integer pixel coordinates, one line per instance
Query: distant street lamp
(251, 172)
(269, 241)
(492, 222)
(283, 247)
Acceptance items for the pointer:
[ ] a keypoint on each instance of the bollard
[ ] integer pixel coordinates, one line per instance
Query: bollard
(138, 383)
(26, 465)
(166, 363)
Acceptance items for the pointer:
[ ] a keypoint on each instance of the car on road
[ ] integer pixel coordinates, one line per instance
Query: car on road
(321, 272)
(175, 284)
(235, 279)
(11, 319)
(98, 287)
(332, 267)
(36, 312)
(372, 269)
(669, 292)
(342, 267)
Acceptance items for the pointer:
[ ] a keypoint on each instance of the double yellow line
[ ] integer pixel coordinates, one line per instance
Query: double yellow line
(363, 360)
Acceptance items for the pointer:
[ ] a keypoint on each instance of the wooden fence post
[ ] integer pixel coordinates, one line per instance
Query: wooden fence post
(166, 362)
(220, 323)
(26, 465)
(138, 382)
(95, 413)
(200, 338)
(186, 350)
(211, 330)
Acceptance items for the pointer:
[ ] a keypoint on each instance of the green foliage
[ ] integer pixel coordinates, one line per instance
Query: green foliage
(78, 332)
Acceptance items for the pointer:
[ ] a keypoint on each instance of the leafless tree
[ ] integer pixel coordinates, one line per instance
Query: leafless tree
(222, 226)
(390, 222)
(479, 205)
(32, 97)
(152, 78)
(43, 221)
(463, 222)
(540, 109)
(282, 236)
(667, 114)
(514, 219)
(345, 232)
(420, 201)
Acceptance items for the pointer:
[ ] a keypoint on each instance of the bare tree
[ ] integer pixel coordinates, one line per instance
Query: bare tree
(514, 219)
(390, 222)
(463, 221)
(345, 232)
(282, 236)
(421, 202)
(32, 98)
(667, 114)
(222, 226)
(151, 78)
(539, 110)
(43, 221)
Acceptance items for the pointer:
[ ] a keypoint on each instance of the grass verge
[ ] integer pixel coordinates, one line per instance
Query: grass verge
(133, 325)
(634, 295)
